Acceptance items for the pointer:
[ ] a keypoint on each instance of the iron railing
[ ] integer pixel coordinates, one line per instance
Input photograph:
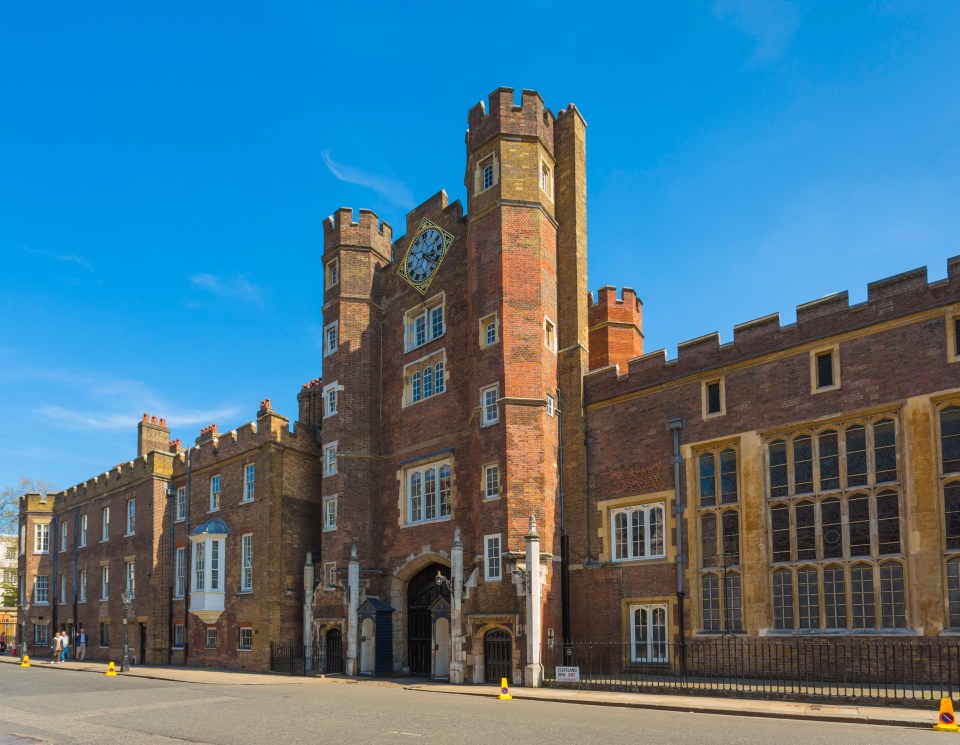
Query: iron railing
(297, 658)
(881, 670)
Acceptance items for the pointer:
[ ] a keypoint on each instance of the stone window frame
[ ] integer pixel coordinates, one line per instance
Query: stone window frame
(486, 420)
(492, 552)
(489, 322)
(843, 428)
(705, 391)
(948, 480)
(411, 485)
(550, 334)
(815, 354)
(606, 509)
(486, 481)
(629, 511)
(491, 159)
(952, 321)
(249, 472)
(330, 464)
(425, 311)
(415, 378)
(331, 273)
(330, 513)
(650, 607)
(331, 343)
(545, 177)
(331, 393)
(723, 616)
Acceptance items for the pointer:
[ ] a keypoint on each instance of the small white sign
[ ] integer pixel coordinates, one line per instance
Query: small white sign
(568, 674)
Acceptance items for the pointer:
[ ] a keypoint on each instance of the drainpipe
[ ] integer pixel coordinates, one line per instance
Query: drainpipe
(564, 541)
(186, 569)
(308, 587)
(171, 506)
(674, 426)
(76, 548)
(353, 588)
(54, 584)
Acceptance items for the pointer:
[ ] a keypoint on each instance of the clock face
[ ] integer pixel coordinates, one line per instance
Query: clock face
(424, 255)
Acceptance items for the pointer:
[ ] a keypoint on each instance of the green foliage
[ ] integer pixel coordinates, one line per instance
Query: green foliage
(10, 501)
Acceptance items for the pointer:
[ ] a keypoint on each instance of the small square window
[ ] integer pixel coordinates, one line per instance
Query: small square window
(331, 273)
(489, 331)
(486, 173)
(491, 481)
(245, 640)
(713, 398)
(825, 369)
(330, 512)
(211, 641)
(331, 338)
(489, 408)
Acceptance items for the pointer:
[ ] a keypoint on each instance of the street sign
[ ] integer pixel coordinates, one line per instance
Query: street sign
(568, 674)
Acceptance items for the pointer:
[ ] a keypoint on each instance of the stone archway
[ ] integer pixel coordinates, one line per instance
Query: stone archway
(422, 592)
(399, 589)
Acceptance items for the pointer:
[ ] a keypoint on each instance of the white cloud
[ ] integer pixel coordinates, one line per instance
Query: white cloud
(127, 420)
(386, 186)
(237, 287)
(772, 23)
(67, 258)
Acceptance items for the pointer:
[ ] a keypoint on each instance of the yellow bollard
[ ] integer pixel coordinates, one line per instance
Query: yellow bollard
(26, 661)
(504, 691)
(946, 722)
(111, 670)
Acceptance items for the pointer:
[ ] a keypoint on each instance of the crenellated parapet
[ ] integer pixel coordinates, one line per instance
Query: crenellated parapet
(367, 231)
(531, 118)
(615, 327)
(887, 299)
(152, 465)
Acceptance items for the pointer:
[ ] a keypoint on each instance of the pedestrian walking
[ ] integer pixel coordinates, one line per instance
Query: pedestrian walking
(57, 649)
(64, 646)
(3, 642)
(82, 644)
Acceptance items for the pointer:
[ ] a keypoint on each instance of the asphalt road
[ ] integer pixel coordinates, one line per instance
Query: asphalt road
(64, 706)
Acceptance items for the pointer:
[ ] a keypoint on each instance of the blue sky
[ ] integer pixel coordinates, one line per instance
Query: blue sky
(165, 169)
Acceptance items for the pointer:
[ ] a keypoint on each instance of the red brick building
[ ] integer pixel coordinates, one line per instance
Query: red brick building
(490, 464)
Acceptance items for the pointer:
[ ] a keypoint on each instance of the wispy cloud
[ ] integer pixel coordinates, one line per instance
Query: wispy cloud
(67, 258)
(386, 186)
(772, 23)
(237, 287)
(126, 420)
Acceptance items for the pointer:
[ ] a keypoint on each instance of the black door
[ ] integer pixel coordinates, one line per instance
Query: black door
(421, 592)
(141, 658)
(334, 651)
(497, 655)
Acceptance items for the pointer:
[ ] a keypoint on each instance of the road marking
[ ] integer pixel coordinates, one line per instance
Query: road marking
(407, 734)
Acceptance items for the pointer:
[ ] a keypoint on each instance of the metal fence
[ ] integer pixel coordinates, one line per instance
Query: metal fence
(879, 670)
(296, 658)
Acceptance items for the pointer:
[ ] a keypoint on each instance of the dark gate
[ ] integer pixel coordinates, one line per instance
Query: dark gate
(497, 655)
(334, 649)
(421, 593)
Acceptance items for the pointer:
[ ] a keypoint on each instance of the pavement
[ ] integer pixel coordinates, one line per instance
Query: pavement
(924, 716)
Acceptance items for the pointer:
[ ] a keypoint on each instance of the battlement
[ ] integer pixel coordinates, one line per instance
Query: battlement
(368, 231)
(616, 326)
(36, 502)
(155, 464)
(531, 118)
(890, 298)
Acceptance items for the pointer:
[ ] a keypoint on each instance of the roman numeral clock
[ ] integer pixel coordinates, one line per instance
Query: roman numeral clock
(424, 254)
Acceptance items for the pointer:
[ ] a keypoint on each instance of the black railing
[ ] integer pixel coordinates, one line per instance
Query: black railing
(297, 658)
(881, 670)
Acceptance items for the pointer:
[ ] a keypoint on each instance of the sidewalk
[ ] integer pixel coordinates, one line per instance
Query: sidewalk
(924, 716)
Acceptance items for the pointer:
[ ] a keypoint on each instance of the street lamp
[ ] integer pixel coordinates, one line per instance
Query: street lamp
(127, 598)
(25, 608)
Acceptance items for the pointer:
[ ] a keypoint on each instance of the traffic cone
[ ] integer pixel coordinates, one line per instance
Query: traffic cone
(111, 670)
(26, 661)
(946, 722)
(504, 691)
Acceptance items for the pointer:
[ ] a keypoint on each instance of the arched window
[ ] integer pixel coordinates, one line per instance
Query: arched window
(428, 381)
(885, 450)
(728, 477)
(782, 599)
(440, 383)
(806, 531)
(415, 386)
(829, 460)
(730, 521)
(778, 469)
(834, 598)
(831, 528)
(708, 489)
(430, 492)
(710, 601)
(708, 539)
(858, 511)
(491, 331)
(861, 596)
(888, 523)
(802, 464)
(416, 497)
(808, 598)
(950, 439)
(655, 517)
(892, 602)
(637, 532)
(444, 490)
(951, 510)
(780, 532)
(856, 440)
(732, 614)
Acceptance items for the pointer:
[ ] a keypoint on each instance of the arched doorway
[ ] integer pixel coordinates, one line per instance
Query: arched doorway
(497, 655)
(334, 650)
(367, 646)
(422, 591)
